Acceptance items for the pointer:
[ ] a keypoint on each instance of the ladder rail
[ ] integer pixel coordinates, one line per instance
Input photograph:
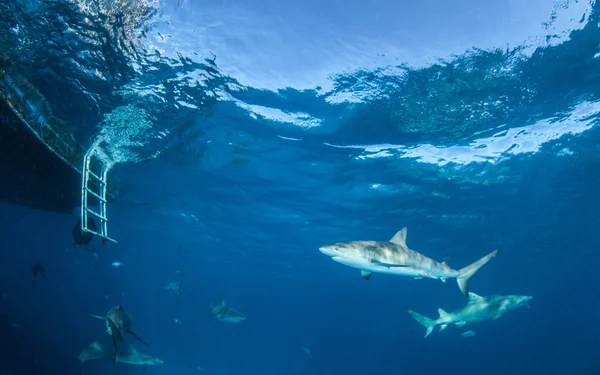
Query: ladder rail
(86, 176)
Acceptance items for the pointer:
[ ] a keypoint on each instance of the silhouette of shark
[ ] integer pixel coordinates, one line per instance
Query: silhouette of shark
(118, 321)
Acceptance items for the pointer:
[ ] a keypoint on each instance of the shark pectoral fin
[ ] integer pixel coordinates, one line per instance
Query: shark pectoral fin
(443, 279)
(97, 316)
(137, 336)
(366, 274)
(460, 324)
(144, 368)
(443, 327)
(115, 359)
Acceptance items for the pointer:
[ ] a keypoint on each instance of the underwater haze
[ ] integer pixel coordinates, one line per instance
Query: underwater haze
(246, 135)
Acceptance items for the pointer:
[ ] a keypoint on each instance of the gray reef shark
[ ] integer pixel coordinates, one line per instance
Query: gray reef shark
(118, 321)
(226, 314)
(476, 310)
(394, 257)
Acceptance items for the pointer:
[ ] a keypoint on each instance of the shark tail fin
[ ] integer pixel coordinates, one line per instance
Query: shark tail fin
(429, 324)
(468, 271)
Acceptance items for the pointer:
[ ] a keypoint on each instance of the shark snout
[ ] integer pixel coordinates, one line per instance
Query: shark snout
(332, 250)
(328, 250)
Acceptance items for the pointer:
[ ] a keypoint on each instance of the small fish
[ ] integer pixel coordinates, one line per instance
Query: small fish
(468, 334)
(117, 264)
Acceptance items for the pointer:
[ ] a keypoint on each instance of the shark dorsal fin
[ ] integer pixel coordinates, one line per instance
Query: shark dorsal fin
(442, 313)
(222, 301)
(121, 302)
(474, 297)
(132, 349)
(445, 263)
(400, 237)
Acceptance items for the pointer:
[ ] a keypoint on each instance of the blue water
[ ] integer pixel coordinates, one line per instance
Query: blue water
(267, 130)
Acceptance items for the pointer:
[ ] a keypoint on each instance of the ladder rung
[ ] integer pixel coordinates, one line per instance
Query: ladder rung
(90, 173)
(99, 235)
(96, 214)
(95, 195)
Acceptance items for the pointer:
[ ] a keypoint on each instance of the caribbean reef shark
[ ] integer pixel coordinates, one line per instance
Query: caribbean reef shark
(226, 314)
(476, 310)
(118, 321)
(394, 257)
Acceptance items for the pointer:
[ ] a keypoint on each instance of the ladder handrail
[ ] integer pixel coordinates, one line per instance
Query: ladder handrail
(101, 179)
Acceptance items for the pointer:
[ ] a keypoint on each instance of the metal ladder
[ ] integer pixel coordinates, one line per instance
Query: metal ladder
(88, 180)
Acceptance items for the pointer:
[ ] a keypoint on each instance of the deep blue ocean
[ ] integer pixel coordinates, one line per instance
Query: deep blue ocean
(246, 135)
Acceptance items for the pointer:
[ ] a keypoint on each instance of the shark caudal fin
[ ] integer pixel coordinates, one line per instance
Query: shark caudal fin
(468, 271)
(429, 324)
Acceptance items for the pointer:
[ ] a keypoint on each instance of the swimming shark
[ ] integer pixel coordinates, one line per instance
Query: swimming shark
(476, 310)
(118, 321)
(133, 357)
(394, 257)
(94, 350)
(226, 314)
(175, 286)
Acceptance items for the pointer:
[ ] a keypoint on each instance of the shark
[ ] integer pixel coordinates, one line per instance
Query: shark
(96, 350)
(226, 314)
(133, 357)
(175, 286)
(118, 321)
(396, 258)
(477, 309)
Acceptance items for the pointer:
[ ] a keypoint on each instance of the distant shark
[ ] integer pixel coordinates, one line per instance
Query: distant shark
(118, 321)
(175, 286)
(476, 310)
(394, 257)
(226, 314)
